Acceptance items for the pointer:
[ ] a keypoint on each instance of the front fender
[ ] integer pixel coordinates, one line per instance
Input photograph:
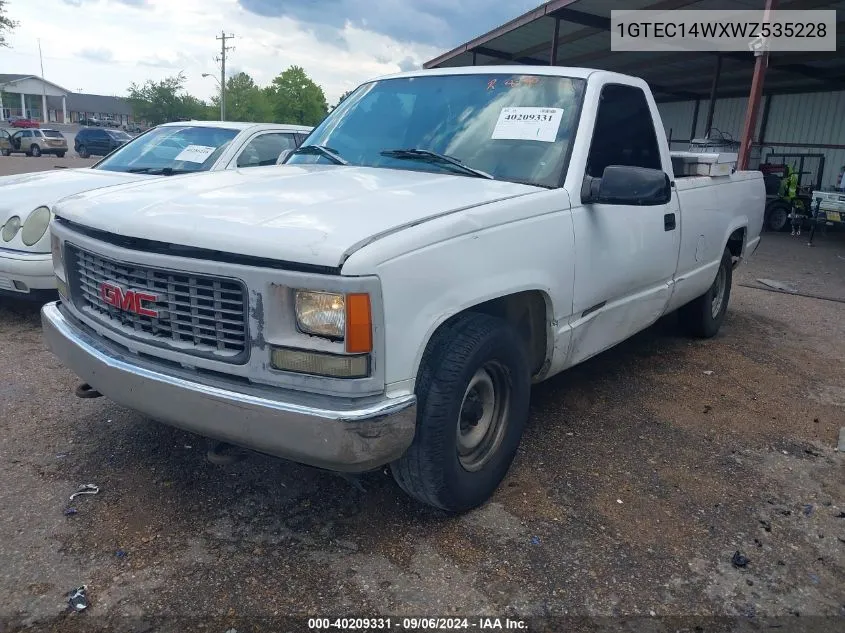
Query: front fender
(425, 287)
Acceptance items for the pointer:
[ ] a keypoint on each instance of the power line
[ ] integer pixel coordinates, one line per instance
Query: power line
(222, 59)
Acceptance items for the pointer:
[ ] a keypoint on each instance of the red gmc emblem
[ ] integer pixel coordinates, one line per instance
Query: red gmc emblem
(128, 300)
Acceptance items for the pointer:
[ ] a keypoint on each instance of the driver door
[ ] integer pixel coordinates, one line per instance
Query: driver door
(18, 139)
(626, 255)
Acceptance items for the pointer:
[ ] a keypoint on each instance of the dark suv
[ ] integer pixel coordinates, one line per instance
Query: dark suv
(98, 141)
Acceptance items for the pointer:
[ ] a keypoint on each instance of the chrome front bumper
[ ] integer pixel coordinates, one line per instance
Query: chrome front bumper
(333, 433)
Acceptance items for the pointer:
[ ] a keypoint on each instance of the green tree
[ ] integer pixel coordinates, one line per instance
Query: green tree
(295, 98)
(162, 101)
(193, 108)
(341, 98)
(245, 101)
(7, 25)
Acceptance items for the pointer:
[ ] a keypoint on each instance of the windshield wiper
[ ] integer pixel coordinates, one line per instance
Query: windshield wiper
(322, 150)
(163, 171)
(433, 157)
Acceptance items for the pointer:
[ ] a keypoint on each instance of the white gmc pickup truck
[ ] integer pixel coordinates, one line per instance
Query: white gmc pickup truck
(388, 295)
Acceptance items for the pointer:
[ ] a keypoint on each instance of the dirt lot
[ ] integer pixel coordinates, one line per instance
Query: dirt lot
(641, 473)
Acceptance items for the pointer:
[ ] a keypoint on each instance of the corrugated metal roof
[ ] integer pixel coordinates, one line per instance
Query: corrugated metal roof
(584, 40)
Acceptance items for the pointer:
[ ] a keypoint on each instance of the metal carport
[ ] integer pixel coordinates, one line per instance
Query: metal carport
(577, 33)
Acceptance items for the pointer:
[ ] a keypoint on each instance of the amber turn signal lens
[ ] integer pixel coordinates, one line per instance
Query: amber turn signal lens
(319, 363)
(359, 323)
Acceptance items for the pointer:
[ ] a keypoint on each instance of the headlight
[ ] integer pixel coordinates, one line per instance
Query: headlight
(36, 225)
(321, 313)
(13, 224)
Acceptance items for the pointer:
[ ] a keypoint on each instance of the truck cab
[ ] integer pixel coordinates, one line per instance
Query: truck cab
(387, 296)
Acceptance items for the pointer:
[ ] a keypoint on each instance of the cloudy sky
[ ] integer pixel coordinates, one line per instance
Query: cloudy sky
(101, 46)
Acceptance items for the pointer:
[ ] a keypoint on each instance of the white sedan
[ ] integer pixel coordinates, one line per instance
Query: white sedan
(26, 269)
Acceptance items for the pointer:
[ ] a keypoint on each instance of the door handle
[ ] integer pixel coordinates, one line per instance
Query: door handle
(669, 222)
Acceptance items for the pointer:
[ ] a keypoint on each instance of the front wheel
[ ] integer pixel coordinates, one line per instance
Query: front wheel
(472, 392)
(702, 317)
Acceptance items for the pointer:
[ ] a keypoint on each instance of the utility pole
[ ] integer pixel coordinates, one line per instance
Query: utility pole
(43, 86)
(222, 59)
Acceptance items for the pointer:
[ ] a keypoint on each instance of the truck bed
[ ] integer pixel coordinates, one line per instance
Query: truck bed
(712, 208)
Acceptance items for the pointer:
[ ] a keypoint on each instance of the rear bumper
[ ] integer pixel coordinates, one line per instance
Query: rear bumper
(33, 270)
(333, 433)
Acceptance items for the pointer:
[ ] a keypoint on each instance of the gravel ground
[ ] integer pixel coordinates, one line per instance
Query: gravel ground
(640, 476)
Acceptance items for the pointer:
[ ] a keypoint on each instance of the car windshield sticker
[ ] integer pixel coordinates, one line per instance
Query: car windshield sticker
(528, 124)
(195, 153)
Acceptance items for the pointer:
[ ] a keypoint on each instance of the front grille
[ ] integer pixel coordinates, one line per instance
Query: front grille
(200, 315)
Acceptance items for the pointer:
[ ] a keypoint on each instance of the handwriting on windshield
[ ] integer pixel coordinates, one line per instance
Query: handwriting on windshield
(522, 81)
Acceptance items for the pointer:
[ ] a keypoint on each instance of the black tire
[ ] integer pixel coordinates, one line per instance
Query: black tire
(6, 152)
(777, 217)
(698, 316)
(34, 150)
(60, 154)
(432, 470)
(82, 151)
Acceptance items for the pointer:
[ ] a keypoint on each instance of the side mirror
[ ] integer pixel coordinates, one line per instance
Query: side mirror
(283, 156)
(620, 184)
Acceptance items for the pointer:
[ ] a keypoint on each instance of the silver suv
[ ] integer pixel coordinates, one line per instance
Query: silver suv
(38, 142)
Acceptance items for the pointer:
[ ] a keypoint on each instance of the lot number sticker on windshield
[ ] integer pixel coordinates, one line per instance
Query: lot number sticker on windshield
(529, 124)
(195, 153)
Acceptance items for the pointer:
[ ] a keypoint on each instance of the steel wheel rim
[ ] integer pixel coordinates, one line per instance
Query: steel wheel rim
(482, 418)
(718, 292)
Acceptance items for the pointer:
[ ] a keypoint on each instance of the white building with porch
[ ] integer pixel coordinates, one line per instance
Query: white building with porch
(26, 96)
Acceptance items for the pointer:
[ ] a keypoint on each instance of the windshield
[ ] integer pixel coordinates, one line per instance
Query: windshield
(178, 148)
(512, 127)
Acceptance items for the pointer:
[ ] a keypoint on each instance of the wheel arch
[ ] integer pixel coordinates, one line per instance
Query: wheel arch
(736, 243)
(735, 237)
(529, 310)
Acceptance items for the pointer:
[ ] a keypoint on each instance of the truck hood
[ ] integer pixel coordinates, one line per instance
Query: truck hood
(309, 214)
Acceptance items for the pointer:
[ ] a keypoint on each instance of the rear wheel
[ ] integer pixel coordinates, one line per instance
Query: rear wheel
(82, 151)
(472, 403)
(777, 217)
(6, 152)
(702, 317)
(61, 154)
(34, 150)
